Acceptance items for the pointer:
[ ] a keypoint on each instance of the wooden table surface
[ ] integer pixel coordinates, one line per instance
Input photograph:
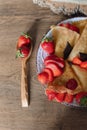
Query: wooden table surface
(18, 16)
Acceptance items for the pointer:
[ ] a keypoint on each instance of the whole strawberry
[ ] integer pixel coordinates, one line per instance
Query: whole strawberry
(48, 45)
(23, 52)
(24, 39)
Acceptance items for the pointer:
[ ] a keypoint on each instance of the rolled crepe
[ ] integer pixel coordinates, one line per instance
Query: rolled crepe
(59, 83)
(61, 36)
(82, 75)
(80, 24)
(80, 46)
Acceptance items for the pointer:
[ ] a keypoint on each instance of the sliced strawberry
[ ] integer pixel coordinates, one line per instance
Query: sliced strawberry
(50, 94)
(70, 26)
(43, 77)
(76, 61)
(80, 95)
(50, 73)
(60, 97)
(56, 60)
(84, 65)
(57, 71)
(69, 98)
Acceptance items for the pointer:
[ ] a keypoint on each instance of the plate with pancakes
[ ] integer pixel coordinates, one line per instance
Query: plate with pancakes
(62, 62)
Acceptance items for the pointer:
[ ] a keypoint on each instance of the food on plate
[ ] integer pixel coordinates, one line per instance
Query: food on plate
(80, 46)
(59, 84)
(70, 26)
(53, 67)
(80, 24)
(61, 36)
(66, 65)
(82, 76)
(23, 46)
(48, 45)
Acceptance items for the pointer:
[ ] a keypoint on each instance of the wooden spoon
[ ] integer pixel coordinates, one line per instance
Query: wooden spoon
(24, 84)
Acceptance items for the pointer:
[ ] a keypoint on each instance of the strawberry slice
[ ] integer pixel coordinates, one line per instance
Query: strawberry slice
(43, 77)
(57, 71)
(50, 73)
(69, 98)
(70, 26)
(80, 95)
(76, 61)
(60, 97)
(84, 65)
(51, 94)
(54, 59)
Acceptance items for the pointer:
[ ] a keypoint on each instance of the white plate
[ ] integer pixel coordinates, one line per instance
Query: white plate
(42, 54)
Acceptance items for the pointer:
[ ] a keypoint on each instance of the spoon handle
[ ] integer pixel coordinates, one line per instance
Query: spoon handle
(24, 85)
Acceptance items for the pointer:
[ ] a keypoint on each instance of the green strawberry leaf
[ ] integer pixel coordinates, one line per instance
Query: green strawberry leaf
(26, 35)
(47, 39)
(19, 54)
(83, 101)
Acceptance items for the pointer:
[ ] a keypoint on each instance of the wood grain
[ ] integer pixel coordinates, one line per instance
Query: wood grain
(17, 16)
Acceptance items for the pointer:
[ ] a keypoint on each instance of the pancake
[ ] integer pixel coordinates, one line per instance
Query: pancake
(82, 75)
(59, 83)
(80, 24)
(80, 46)
(61, 36)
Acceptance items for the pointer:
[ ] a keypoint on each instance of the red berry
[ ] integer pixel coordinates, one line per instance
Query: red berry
(50, 73)
(25, 51)
(70, 26)
(84, 65)
(43, 77)
(48, 46)
(23, 40)
(76, 61)
(71, 84)
(51, 94)
(69, 98)
(54, 59)
(57, 71)
(60, 97)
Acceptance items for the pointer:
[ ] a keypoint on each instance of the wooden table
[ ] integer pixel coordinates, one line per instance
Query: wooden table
(17, 16)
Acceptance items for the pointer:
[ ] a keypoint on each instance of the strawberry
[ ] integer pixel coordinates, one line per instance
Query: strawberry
(48, 46)
(84, 65)
(51, 94)
(71, 84)
(69, 98)
(60, 97)
(76, 61)
(54, 59)
(43, 77)
(23, 52)
(70, 26)
(57, 71)
(80, 96)
(50, 73)
(52, 56)
(23, 40)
